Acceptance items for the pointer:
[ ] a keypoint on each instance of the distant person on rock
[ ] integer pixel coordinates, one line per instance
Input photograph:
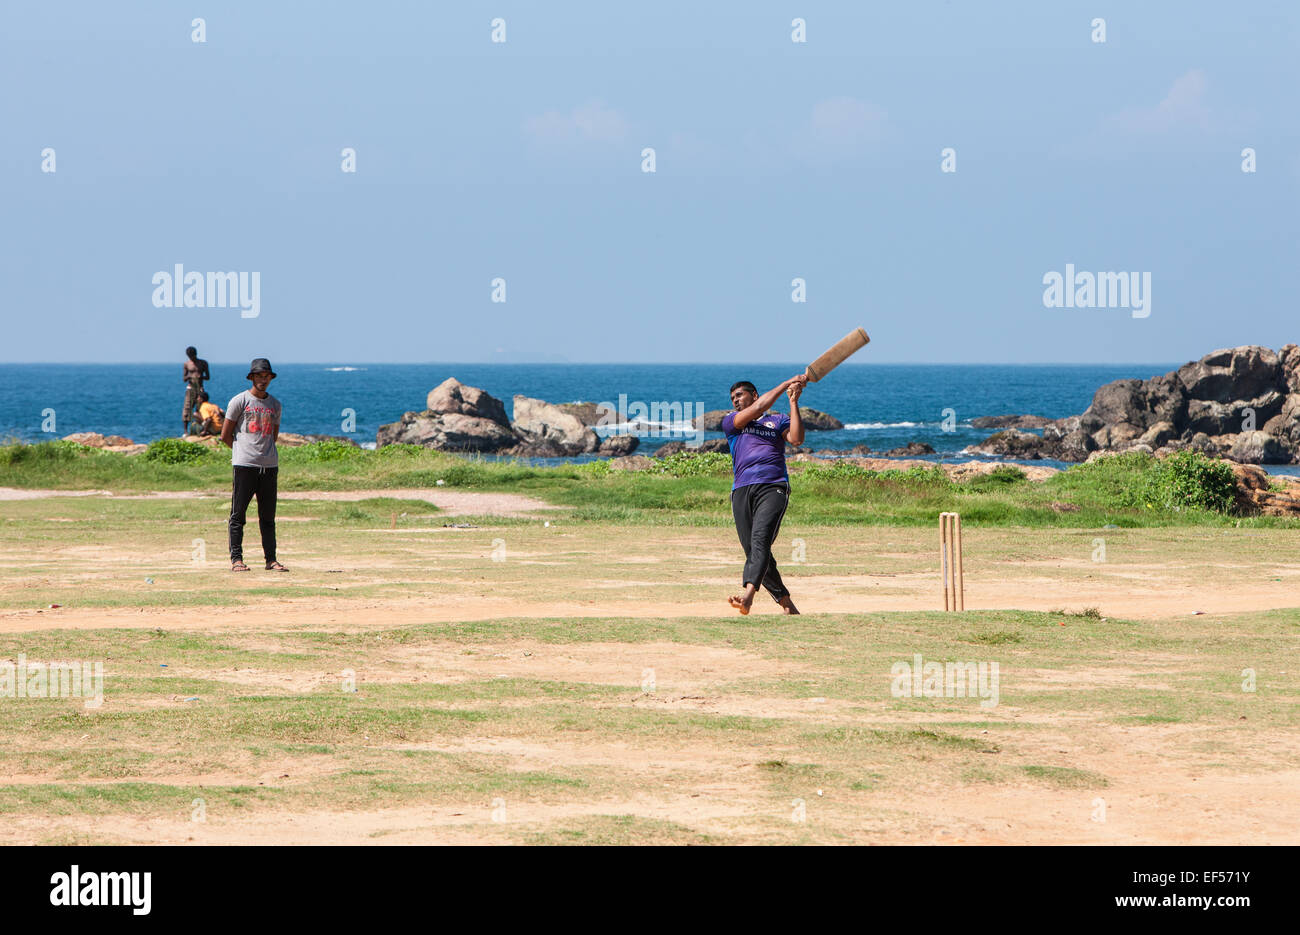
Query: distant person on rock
(251, 429)
(211, 415)
(194, 371)
(761, 490)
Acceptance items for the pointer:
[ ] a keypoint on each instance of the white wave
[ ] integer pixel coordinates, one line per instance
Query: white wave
(343, 369)
(883, 425)
(901, 425)
(369, 446)
(639, 425)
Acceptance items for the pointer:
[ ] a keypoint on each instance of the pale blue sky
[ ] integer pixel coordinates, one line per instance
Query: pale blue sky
(522, 160)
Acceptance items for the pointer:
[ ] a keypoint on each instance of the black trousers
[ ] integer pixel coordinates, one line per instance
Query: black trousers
(758, 510)
(250, 482)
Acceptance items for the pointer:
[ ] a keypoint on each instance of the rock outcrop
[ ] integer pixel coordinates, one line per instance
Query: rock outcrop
(674, 447)
(910, 450)
(1011, 422)
(465, 418)
(814, 420)
(590, 413)
(1256, 495)
(294, 440)
(117, 443)
(1240, 403)
(543, 427)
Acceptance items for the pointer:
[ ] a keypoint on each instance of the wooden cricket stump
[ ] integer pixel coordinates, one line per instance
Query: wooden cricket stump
(950, 561)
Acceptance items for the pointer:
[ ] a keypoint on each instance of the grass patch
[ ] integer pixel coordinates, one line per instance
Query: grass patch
(1065, 777)
(685, 489)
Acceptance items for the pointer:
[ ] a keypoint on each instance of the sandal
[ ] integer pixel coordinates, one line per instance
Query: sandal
(238, 566)
(275, 566)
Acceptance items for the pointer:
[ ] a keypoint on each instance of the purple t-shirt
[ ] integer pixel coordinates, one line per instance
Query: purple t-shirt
(757, 450)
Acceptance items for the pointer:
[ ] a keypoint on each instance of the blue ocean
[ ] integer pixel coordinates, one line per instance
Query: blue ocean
(882, 406)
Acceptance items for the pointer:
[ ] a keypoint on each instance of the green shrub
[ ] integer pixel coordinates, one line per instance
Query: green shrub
(1004, 475)
(1115, 481)
(397, 451)
(1188, 480)
(600, 468)
(695, 464)
(329, 449)
(836, 470)
(174, 451)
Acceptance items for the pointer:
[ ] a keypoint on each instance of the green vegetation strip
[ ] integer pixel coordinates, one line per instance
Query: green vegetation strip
(686, 489)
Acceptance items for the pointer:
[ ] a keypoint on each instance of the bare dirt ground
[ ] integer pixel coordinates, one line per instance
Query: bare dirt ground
(1129, 775)
(1139, 595)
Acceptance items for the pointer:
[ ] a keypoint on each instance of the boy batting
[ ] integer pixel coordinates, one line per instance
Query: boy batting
(761, 491)
(251, 429)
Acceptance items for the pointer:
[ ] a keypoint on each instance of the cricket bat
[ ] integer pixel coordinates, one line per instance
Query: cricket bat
(839, 352)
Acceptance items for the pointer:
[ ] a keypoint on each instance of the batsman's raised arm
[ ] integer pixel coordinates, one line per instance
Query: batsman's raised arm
(794, 434)
(763, 403)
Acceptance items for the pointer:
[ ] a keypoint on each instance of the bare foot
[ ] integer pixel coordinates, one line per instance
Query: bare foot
(741, 603)
(787, 606)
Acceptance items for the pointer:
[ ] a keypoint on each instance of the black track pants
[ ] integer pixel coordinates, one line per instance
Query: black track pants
(250, 481)
(758, 510)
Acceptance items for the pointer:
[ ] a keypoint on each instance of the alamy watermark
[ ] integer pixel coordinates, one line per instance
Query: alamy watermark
(179, 289)
(655, 419)
(920, 679)
(52, 680)
(1098, 290)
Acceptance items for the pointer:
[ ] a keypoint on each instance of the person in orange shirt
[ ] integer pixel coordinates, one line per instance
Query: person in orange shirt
(212, 416)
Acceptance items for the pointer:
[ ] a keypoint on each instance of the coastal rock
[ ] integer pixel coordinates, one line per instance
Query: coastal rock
(1255, 493)
(458, 418)
(589, 414)
(1011, 443)
(677, 447)
(856, 450)
(1211, 417)
(96, 440)
(711, 421)
(1011, 422)
(618, 446)
(1285, 426)
(455, 398)
(447, 431)
(541, 425)
(814, 420)
(1288, 362)
(1116, 436)
(1204, 444)
(294, 440)
(1076, 446)
(1205, 405)
(1231, 373)
(1140, 403)
(1158, 435)
(911, 450)
(1258, 448)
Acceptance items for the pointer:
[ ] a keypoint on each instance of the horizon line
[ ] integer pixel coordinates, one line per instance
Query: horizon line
(601, 363)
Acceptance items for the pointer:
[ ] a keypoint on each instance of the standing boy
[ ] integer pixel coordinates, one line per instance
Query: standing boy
(251, 429)
(194, 371)
(761, 490)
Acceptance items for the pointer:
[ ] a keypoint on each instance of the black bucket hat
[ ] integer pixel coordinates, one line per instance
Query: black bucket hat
(260, 365)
